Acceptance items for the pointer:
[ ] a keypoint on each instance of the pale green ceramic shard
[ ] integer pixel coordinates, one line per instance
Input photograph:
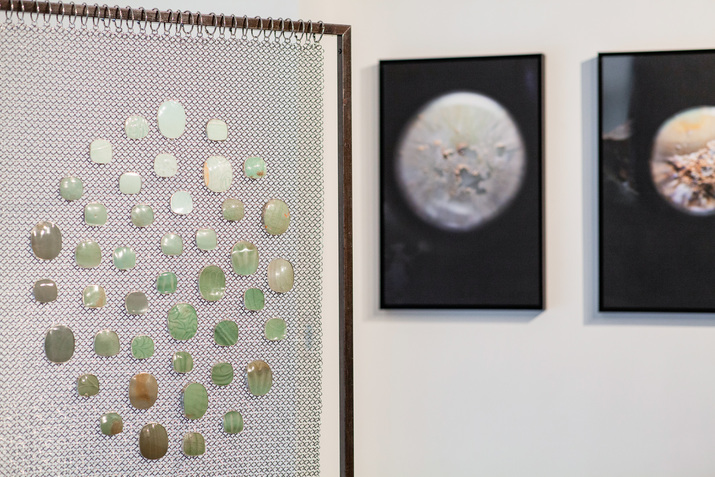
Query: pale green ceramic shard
(226, 333)
(195, 400)
(71, 188)
(222, 374)
(232, 210)
(254, 167)
(254, 299)
(136, 127)
(142, 347)
(212, 283)
(46, 240)
(45, 291)
(88, 254)
(232, 422)
(153, 441)
(130, 183)
(206, 239)
(280, 275)
(142, 215)
(171, 119)
(100, 151)
(106, 343)
(244, 258)
(93, 296)
(87, 385)
(165, 165)
(182, 321)
(182, 362)
(216, 130)
(172, 244)
(275, 329)
(260, 377)
(218, 174)
(124, 258)
(111, 424)
(182, 203)
(95, 214)
(193, 444)
(275, 216)
(59, 344)
(136, 303)
(166, 283)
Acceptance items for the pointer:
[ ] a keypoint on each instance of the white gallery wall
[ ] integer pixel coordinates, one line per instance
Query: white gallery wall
(564, 392)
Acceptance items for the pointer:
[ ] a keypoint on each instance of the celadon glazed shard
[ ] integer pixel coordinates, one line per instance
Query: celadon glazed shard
(182, 203)
(222, 374)
(275, 329)
(218, 174)
(165, 165)
(45, 291)
(275, 216)
(183, 321)
(254, 299)
(182, 362)
(88, 254)
(226, 333)
(111, 424)
(166, 283)
(100, 151)
(93, 296)
(87, 385)
(193, 444)
(142, 215)
(124, 258)
(106, 343)
(232, 210)
(212, 283)
(71, 188)
(195, 400)
(206, 239)
(254, 167)
(142, 347)
(153, 441)
(171, 119)
(260, 377)
(216, 130)
(244, 258)
(130, 183)
(95, 214)
(143, 390)
(232, 422)
(46, 240)
(172, 244)
(136, 303)
(136, 127)
(59, 344)
(280, 275)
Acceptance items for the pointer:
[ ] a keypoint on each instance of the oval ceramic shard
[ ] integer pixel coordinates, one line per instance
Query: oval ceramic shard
(280, 275)
(46, 240)
(254, 299)
(45, 291)
(142, 215)
(260, 377)
(216, 130)
(275, 216)
(226, 333)
(254, 167)
(106, 343)
(232, 422)
(218, 174)
(88, 254)
(130, 183)
(142, 347)
(171, 119)
(244, 258)
(182, 203)
(59, 344)
(172, 244)
(87, 385)
(206, 239)
(166, 283)
(212, 283)
(165, 165)
(136, 303)
(275, 329)
(111, 424)
(183, 321)
(93, 296)
(193, 444)
(182, 362)
(71, 188)
(143, 390)
(232, 210)
(100, 151)
(136, 127)
(124, 258)
(153, 441)
(195, 400)
(95, 214)
(222, 374)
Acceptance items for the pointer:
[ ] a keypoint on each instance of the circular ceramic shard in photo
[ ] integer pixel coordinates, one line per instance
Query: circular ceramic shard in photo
(460, 161)
(683, 160)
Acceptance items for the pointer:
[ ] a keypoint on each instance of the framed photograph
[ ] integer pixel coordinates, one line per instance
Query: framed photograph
(657, 181)
(461, 183)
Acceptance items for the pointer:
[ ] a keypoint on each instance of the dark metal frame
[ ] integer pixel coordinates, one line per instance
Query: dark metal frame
(287, 26)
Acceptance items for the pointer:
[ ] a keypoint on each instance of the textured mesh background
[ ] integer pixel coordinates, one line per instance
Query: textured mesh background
(61, 88)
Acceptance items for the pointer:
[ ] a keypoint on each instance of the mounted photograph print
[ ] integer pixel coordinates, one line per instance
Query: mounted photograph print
(657, 181)
(461, 183)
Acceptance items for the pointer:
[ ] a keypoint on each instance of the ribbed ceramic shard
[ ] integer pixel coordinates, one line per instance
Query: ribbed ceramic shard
(226, 333)
(59, 344)
(95, 214)
(45, 291)
(124, 258)
(111, 424)
(244, 258)
(88, 254)
(100, 151)
(93, 296)
(171, 119)
(183, 321)
(153, 441)
(195, 401)
(193, 444)
(46, 240)
(216, 130)
(280, 275)
(275, 216)
(142, 347)
(166, 283)
(87, 385)
(260, 377)
(212, 283)
(71, 188)
(222, 374)
(106, 343)
(143, 390)
(182, 362)
(142, 215)
(232, 210)
(232, 422)
(136, 127)
(218, 174)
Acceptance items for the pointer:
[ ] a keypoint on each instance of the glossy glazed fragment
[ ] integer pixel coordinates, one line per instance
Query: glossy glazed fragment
(182, 203)
(193, 444)
(130, 183)
(280, 275)
(232, 422)
(216, 130)
(124, 258)
(165, 165)
(260, 377)
(183, 321)
(136, 127)
(275, 216)
(254, 299)
(71, 188)
(95, 214)
(222, 374)
(87, 385)
(206, 239)
(171, 119)
(218, 174)
(142, 215)
(254, 167)
(195, 400)
(88, 254)
(93, 296)
(143, 390)
(45, 291)
(142, 347)
(172, 244)
(212, 283)
(275, 329)
(244, 258)
(136, 303)
(166, 283)
(59, 344)
(106, 343)
(182, 362)
(111, 424)
(100, 151)
(226, 333)
(232, 210)
(153, 441)
(46, 240)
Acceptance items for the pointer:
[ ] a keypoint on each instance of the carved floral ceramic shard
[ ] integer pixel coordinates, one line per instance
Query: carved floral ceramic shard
(166, 283)
(275, 329)
(182, 203)
(143, 390)
(45, 290)
(171, 119)
(244, 258)
(216, 130)
(87, 385)
(111, 424)
(260, 377)
(226, 333)
(95, 214)
(136, 303)
(254, 299)
(142, 215)
(280, 275)
(106, 343)
(222, 374)
(59, 344)
(206, 239)
(46, 240)
(142, 347)
(232, 422)
(182, 321)
(71, 188)
(130, 183)
(193, 444)
(212, 283)
(100, 151)
(182, 362)
(195, 400)
(165, 165)
(136, 127)
(93, 296)
(218, 174)
(254, 167)
(275, 216)
(153, 441)
(124, 258)
(172, 244)
(88, 254)
(232, 210)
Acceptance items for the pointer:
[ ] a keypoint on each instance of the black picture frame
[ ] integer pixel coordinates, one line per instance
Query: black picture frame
(656, 216)
(434, 260)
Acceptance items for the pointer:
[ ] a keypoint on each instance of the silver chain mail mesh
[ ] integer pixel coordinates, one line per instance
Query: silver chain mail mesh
(62, 87)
